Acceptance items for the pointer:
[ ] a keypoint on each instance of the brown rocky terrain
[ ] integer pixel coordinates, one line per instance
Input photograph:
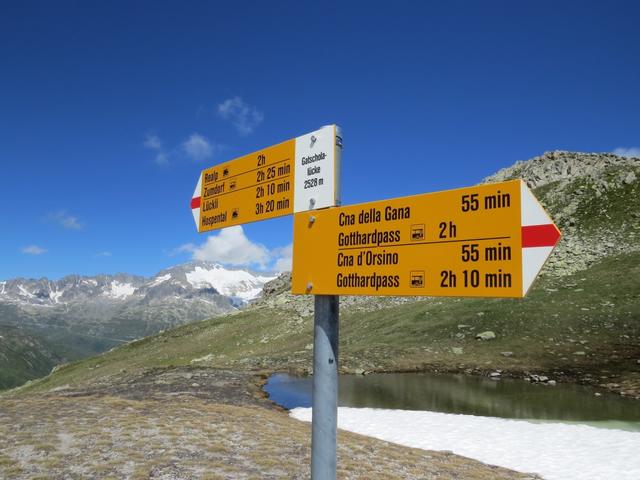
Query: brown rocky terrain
(192, 424)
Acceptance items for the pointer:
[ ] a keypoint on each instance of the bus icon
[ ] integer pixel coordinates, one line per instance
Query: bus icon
(417, 232)
(417, 278)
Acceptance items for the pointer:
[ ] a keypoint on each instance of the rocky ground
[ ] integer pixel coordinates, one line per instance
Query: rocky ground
(276, 294)
(592, 197)
(192, 424)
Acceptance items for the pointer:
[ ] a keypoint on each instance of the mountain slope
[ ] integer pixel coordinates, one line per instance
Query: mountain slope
(582, 327)
(579, 322)
(102, 305)
(593, 198)
(82, 316)
(29, 356)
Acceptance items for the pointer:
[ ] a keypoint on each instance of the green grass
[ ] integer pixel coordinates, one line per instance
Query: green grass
(595, 311)
(598, 307)
(598, 207)
(24, 355)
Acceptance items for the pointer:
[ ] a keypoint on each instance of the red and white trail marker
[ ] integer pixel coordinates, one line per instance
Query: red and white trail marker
(195, 201)
(539, 236)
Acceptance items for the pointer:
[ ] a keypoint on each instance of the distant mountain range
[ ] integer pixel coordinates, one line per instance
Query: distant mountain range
(201, 280)
(78, 316)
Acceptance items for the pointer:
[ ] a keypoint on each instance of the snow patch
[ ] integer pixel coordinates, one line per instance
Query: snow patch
(159, 280)
(120, 290)
(25, 292)
(206, 358)
(553, 450)
(249, 294)
(55, 295)
(231, 283)
(2, 284)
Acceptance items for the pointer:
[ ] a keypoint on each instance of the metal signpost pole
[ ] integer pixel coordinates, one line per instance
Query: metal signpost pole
(325, 387)
(299, 175)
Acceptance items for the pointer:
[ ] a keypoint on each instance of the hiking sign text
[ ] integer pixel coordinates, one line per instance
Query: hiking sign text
(485, 241)
(293, 176)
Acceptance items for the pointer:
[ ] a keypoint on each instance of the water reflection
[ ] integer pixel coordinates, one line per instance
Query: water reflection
(506, 398)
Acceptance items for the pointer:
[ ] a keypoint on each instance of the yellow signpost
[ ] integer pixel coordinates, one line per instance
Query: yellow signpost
(466, 242)
(292, 176)
(249, 188)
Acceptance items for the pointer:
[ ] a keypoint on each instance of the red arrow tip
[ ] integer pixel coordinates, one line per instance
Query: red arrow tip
(195, 202)
(540, 235)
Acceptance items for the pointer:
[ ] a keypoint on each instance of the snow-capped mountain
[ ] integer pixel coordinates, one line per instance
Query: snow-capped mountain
(100, 311)
(193, 279)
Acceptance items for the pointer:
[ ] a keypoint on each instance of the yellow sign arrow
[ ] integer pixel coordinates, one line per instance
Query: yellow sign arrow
(484, 241)
(293, 176)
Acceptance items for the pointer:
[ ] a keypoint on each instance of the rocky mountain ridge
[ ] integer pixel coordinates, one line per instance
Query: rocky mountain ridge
(202, 278)
(593, 197)
(78, 316)
(564, 166)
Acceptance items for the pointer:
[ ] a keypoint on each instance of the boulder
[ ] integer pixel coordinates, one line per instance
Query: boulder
(488, 335)
(630, 178)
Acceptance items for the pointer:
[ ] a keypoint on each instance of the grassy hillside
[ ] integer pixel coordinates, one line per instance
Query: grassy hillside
(581, 327)
(579, 322)
(28, 355)
(32, 351)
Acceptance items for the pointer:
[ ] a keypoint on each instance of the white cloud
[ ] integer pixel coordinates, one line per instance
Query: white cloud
(161, 159)
(33, 250)
(283, 258)
(153, 142)
(232, 247)
(197, 147)
(229, 246)
(62, 218)
(627, 152)
(242, 116)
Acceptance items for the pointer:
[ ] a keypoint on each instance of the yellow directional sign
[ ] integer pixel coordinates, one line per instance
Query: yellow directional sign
(292, 176)
(485, 241)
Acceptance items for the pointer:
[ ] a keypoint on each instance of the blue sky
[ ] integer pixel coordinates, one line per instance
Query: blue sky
(109, 110)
